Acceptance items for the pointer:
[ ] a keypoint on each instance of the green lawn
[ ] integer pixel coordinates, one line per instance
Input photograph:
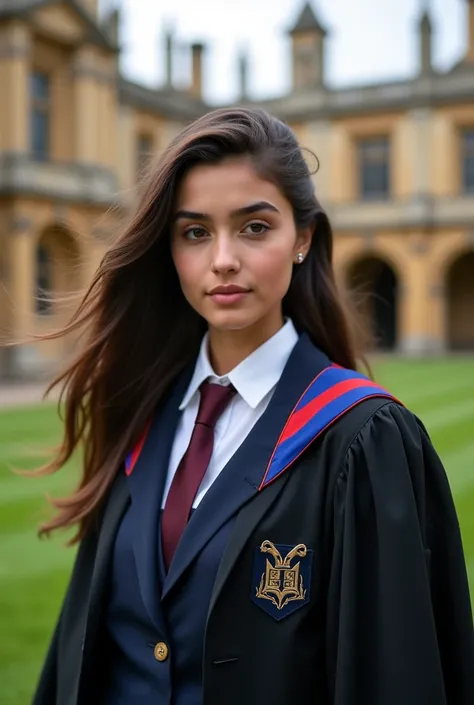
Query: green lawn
(33, 574)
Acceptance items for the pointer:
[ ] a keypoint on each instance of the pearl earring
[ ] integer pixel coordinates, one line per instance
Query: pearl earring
(300, 258)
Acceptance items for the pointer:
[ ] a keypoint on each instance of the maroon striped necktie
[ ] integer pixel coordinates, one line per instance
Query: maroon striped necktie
(193, 466)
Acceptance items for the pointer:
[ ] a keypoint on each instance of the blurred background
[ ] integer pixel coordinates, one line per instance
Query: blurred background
(381, 90)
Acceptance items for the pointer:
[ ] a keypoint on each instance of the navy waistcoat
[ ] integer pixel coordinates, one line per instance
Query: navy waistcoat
(134, 675)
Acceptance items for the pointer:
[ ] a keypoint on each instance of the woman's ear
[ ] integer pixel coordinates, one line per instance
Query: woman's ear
(303, 241)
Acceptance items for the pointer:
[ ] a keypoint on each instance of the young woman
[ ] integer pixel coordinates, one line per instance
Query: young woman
(258, 522)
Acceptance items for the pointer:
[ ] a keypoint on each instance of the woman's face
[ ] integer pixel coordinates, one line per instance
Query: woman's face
(234, 244)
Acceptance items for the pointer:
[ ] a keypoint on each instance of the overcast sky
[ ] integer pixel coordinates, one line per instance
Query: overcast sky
(370, 40)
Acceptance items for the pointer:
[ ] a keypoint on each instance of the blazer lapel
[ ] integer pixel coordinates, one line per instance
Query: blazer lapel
(146, 483)
(240, 479)
(245, 523)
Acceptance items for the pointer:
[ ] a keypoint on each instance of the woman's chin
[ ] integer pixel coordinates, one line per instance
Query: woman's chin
(231, 320)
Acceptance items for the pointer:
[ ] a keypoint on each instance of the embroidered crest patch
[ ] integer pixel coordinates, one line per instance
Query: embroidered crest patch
(282, 576)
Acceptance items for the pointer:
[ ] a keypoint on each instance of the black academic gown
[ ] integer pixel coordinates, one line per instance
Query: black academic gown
(343, 581)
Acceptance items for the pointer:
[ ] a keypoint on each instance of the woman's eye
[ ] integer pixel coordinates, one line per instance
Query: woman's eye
(195, 233)
(256, 228)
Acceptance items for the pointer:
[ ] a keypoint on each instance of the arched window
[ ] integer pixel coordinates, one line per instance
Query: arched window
(44, 284)
(375, 284)
(460, 303)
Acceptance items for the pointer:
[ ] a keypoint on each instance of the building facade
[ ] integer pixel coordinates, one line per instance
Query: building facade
(396, 173)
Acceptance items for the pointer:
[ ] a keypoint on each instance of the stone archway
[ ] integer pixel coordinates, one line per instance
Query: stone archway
(57, 270)
(374, 285)
(460, 303)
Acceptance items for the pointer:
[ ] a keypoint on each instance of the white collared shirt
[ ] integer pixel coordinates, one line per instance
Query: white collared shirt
(254, 379)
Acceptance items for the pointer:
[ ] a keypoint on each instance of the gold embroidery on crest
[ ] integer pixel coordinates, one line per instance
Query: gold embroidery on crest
(282, 583)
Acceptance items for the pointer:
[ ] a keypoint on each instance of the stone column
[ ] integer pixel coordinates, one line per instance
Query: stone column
(421, 152)
(108, 117)
(445, 165)
(22, 277)
(318, 139)
(86, 108)
(417, 309)
(15, 60)
(343, 167)
(127, 167)
(422, 307)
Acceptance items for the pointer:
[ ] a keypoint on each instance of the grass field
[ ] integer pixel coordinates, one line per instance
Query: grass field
(33, 574)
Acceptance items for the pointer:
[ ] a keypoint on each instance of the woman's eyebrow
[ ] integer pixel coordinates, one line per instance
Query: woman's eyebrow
(245, 210)
(255, 208)
(190, 215)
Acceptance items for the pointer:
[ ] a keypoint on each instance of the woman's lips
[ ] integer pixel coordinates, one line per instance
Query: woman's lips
(230, 298)
(231, 294)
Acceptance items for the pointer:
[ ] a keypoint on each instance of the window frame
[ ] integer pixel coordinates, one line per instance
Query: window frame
(374, 142)
(467, 159)
(40, 108)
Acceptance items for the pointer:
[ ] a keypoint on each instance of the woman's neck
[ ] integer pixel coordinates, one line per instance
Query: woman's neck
(228, 348)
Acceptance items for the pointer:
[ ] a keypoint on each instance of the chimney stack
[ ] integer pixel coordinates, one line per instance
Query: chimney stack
(243, 75)
(470, 25)
(308, 38)
(425, 30)
(197, 55)
(169, 48)
(92, 6)
(111, 24)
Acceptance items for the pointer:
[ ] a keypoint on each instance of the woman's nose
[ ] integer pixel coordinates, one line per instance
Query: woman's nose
(225, 257)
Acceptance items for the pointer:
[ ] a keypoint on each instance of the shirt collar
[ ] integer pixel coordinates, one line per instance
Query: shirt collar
(255, 376)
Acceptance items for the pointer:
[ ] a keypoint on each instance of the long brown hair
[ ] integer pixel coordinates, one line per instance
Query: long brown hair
(139, 332)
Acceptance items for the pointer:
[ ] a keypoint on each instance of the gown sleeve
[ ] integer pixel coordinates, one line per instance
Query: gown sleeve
(46, 691)
(399, 618)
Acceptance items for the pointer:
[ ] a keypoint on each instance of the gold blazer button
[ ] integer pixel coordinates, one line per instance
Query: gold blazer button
(161, 651)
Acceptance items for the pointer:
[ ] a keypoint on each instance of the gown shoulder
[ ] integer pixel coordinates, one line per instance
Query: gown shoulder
(399, 609)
